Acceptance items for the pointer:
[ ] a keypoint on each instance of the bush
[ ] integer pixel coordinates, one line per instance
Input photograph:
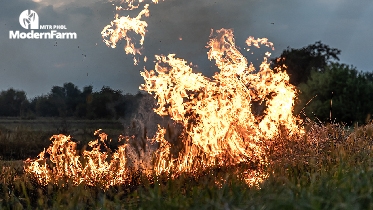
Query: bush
(348, 90)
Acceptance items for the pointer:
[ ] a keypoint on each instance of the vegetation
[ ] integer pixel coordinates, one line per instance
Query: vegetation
(341, 91)
(329, 167)
(328, 91)
(335, 173)
(68, 101)
(22, 139)
(300, 62)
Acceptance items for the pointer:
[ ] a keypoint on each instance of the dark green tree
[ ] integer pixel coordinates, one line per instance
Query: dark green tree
(60, 102)
(72, 97)
(300, 62)
(68, 101)
(57, 101)
(83, 108)
(349, 90)
(11, 101)
(43, 106)
(105, 102)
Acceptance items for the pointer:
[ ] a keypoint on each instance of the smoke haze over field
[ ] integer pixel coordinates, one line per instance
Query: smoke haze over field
(36, 65)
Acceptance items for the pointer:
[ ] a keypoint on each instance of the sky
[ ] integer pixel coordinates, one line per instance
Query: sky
(35, 66)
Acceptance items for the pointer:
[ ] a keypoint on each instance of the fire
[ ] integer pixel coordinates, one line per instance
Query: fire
(93, 167)
(132, 4)
(221, 124)
(119, 28)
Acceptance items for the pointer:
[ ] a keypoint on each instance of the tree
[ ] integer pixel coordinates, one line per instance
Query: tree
(61, 101)
(105, 102)
(349, 90)
(43, 106)
(68, 101)
(83, 108)
(57, 102)
(300, 62)
(72, 97)
(11, 102)
(65, 99)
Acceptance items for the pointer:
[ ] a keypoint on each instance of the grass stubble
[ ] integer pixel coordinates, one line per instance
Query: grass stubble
(329, 167)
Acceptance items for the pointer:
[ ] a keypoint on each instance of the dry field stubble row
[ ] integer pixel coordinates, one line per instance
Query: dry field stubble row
(329, 161)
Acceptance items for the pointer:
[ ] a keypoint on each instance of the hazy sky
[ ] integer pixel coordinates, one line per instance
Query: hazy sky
(36, 65)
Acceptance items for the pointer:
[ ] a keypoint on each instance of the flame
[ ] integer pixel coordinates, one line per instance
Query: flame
(93, 167)
(220, 127)
(119, 28)
(131, 4)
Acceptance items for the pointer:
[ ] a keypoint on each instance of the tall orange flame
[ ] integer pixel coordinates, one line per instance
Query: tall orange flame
(220, 127)
(119, 28)
(217, 113)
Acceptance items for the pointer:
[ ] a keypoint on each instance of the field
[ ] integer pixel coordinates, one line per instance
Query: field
(21, 139)
(330, 167)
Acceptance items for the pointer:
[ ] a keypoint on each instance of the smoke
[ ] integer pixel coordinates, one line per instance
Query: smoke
(142, 122)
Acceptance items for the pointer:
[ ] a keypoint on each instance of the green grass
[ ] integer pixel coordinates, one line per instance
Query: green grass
(329, 168)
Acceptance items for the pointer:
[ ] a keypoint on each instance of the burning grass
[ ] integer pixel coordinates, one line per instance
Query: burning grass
(219, 127)
(218, 124)
(328, 167)
(226, 156)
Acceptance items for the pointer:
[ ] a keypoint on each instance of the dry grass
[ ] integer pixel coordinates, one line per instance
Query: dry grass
(330, 167)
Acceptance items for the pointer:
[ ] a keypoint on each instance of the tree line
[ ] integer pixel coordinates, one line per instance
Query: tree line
(69, 101)
(328, 91)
